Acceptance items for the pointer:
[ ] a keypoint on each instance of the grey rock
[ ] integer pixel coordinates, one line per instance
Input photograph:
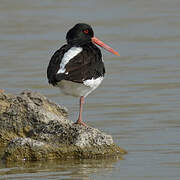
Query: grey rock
(34, 128)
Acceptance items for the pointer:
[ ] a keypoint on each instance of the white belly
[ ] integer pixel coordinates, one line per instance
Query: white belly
(78, 89)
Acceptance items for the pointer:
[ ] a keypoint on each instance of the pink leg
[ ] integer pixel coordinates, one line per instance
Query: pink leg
(79, 121)
(1, 90)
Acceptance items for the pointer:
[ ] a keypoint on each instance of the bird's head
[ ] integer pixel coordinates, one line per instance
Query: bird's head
(82, 34)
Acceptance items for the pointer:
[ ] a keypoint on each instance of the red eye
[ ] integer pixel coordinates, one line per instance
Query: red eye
(86, 31)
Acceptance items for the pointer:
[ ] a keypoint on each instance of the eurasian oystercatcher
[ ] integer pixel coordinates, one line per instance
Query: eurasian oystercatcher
(77, 67)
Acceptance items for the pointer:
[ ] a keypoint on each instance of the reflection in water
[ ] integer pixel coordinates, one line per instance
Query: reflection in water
(70, 169)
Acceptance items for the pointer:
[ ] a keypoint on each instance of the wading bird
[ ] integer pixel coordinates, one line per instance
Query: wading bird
(77, 67)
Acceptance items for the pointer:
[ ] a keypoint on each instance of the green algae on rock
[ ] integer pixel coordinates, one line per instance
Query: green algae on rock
(34, 128)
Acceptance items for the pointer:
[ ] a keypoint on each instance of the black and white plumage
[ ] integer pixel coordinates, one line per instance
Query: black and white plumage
(77, 67)
(76, 70)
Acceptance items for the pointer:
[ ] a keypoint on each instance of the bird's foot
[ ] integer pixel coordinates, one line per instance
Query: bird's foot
(1, 90)
(80, 123)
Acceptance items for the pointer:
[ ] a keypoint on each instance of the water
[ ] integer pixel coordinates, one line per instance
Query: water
(139, 100)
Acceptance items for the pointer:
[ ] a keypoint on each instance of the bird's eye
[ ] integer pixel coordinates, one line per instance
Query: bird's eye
(86, 31)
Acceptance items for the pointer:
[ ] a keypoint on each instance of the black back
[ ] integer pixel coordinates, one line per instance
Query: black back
(87, 64)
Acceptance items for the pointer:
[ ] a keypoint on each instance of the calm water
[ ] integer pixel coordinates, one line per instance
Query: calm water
(138, 102)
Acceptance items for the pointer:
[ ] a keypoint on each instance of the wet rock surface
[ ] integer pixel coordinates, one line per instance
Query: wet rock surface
(34, 128)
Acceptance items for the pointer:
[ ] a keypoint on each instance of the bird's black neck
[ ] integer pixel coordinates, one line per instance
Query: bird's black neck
(78, 43)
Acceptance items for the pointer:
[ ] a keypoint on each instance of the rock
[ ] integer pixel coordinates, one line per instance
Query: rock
(34, 128)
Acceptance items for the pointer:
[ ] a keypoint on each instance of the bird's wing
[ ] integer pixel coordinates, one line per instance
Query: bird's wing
(86, 65)
(54, 64)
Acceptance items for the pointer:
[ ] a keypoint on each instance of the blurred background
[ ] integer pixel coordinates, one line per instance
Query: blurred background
(139, 101)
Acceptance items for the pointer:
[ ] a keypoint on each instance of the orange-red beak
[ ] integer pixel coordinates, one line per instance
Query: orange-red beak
(105, 46)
